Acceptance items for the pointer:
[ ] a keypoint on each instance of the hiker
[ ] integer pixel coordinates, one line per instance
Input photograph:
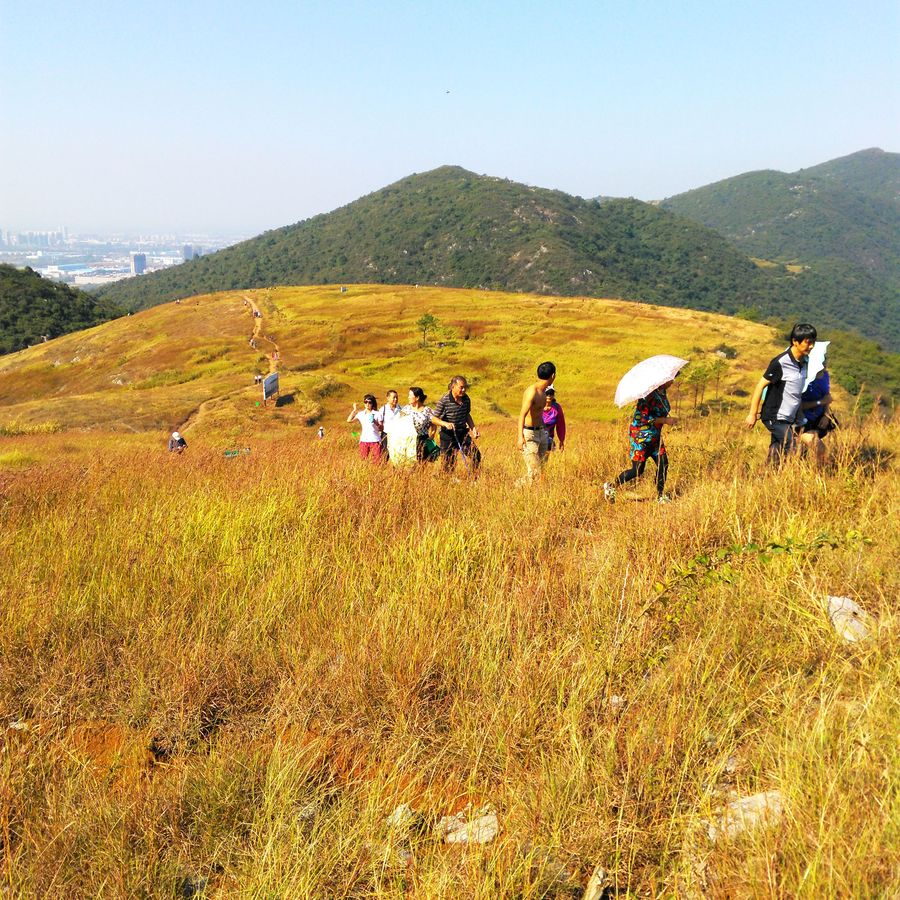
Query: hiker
(458, 434)
(177, 444)
(320, 433)
(425, 422)
(645, 435)
(388, 414)
(783, 381)
(531, 435)
(815, 405)
(370, 429)
(554, 422)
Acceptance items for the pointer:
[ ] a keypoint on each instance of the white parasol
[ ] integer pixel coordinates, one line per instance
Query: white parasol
(647, 376)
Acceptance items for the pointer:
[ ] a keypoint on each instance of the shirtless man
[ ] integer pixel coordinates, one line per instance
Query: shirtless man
(531, 436)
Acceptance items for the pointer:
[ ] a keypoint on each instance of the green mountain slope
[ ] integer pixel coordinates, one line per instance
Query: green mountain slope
(32, 307)
(452, 228)
(839, 220)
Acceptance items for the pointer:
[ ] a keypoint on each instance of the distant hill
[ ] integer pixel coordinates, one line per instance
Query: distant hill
(839, 222)
(450, 227)
(32, 307)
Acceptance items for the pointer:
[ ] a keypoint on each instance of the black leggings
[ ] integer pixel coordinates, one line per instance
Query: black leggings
(637, 469)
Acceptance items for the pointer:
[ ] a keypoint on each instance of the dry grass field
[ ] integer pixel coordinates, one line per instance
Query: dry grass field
(220, 676)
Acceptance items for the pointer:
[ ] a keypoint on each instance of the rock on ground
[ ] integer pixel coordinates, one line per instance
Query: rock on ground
(848, 619)
(482, 828)
(746, 814)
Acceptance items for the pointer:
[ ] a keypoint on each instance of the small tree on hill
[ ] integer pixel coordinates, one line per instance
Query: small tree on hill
(427, 323)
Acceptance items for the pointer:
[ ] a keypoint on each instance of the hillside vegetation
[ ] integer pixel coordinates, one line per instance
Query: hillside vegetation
(452, 227)
(32, 308)
(190, 363)
(840, 222)
(220, 676)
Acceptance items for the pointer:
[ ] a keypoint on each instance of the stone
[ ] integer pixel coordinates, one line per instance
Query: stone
(405, 818)
(848, 619)
(747, 813)
(482, 828)
(597, 885)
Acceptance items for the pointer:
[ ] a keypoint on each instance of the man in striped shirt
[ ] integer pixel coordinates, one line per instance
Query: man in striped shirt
(783, 382)
(455, 407)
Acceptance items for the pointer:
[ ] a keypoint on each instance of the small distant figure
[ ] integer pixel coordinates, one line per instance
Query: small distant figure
(783, 383)
(554, 422)
(178, 303)
(343, 289)
(320, 434)
(531, 435)
(177, 444)
(370, 429)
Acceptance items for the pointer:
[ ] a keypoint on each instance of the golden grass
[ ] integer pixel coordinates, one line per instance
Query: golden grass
(235, 669)
(176, 365)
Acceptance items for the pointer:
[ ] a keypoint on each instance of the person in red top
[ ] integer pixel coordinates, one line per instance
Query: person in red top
(554, 421)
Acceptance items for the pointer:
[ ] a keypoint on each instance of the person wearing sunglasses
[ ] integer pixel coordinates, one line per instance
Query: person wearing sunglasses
(370, 429)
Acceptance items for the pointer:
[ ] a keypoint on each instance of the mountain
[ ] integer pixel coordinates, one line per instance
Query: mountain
(837, 224)
(450, 227)
(32, 308)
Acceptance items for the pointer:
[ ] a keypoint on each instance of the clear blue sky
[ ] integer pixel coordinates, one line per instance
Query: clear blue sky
(237, 117)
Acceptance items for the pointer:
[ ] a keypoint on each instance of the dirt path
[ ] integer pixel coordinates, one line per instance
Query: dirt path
(274, 359)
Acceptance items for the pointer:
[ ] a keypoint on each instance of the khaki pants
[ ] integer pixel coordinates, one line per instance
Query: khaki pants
(535, 452)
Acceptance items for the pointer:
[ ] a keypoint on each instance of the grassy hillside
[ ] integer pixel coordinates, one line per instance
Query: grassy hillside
(190, 363)
(32, 307)
(224, 674)
(838, 222)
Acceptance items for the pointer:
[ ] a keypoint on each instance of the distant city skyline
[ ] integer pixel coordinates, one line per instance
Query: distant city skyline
(228, 119)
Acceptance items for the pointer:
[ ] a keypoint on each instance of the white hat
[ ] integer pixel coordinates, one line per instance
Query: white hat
(176, 435)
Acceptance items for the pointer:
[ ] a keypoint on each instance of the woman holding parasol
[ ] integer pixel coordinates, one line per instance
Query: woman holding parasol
(646, 385)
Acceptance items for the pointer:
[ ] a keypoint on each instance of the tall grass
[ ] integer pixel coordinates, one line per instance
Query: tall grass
(235, 669)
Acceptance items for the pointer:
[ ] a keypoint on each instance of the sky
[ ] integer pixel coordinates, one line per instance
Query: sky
(225, 117)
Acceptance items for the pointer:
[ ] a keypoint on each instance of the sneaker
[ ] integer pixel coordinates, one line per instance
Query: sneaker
(663, 498)
(609, 491)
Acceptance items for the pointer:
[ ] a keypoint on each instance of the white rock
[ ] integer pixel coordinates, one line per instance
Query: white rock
(597, 884)
(747, 813)
(481, 829)
(402, 817)
(848, 619)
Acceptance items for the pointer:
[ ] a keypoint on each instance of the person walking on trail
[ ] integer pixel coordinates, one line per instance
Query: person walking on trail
(389, 414)
(425, 422)
(370, 429)
(531, 435)
(177, 444)
(554, 422)
(815, 405)
(645, 435)
(455, 409)
(783, 383)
